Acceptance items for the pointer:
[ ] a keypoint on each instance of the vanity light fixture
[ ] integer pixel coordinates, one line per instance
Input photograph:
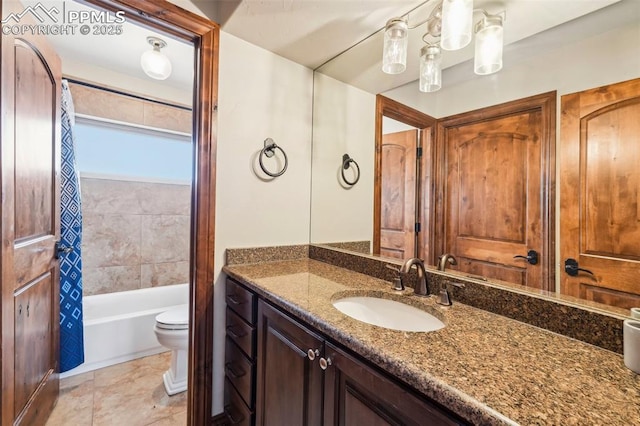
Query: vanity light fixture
(394, 54)
(457, 22)
(489, 43)
(449, 26)
(155, 63)
(430, 68)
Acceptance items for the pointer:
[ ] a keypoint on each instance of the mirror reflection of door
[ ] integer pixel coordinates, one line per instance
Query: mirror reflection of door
(494, 186)
(398, 236)
(402, 187)
(600, 179)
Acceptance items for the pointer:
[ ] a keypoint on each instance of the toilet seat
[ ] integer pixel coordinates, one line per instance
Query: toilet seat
(174, 319)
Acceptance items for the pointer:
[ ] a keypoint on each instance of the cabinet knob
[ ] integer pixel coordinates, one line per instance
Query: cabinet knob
(312, 354)
(324, 363)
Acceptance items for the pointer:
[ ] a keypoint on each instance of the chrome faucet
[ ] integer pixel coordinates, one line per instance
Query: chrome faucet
(422, 287)
(444, 259)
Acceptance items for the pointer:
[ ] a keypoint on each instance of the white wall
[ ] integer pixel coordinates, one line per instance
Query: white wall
(260, 95)
(343, 123)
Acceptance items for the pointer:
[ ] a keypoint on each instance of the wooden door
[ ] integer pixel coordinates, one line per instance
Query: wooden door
(31, 90)
(398, 215)
(289, 383)
(497, 194)
(355, 395)
(600, 190)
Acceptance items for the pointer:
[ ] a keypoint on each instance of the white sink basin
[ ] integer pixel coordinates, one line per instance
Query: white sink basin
(388, 313)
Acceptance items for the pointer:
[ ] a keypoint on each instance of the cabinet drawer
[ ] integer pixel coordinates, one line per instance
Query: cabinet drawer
(240, 371)
(241, 300)
(241, 333)
(235, 409)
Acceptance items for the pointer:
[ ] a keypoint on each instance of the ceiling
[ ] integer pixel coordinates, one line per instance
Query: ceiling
(308, 32)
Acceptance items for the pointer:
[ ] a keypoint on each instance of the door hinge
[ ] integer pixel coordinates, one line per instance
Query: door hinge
(419, 152)
(417, 227)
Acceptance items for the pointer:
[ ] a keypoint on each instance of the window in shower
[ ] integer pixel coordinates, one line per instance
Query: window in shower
(122, 150)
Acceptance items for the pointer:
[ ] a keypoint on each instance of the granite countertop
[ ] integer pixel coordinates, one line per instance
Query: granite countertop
(486, 368)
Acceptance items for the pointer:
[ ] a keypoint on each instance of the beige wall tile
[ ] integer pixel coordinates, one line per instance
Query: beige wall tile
(106, 196)
(113, 106)
(110, 279)
(102, 196)
(100, 103)
(160, 274)
(165, 238)
(166, 117)
(110, 240)
(168, 199)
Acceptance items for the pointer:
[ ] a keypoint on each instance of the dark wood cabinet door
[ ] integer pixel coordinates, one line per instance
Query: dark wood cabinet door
(289, 384)
(30, 155)
(356, 395)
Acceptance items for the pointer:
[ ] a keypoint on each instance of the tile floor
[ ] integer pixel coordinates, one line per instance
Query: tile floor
(129, 394)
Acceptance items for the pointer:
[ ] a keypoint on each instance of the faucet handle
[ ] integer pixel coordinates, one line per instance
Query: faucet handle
(445, 298)
(397, 281)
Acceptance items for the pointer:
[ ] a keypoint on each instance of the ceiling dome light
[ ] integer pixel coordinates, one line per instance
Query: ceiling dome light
(155, 63)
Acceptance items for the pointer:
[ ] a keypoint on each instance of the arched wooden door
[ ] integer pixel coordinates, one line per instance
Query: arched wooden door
(31, 90)
(600, 190)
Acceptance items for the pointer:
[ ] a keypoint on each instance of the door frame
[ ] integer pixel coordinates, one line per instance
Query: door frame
(546, 104)
(170, 19)
(386, 107)
(166, 17)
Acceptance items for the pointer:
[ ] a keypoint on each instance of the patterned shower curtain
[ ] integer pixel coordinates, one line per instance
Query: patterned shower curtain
(71, 333)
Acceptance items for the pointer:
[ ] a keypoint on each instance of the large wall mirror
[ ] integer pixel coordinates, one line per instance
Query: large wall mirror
(555, 50)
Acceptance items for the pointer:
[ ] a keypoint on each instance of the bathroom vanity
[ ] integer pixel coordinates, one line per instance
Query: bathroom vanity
(481, 368)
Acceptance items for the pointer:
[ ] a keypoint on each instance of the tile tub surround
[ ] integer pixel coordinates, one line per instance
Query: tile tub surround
(135, 234)
(589, 322)
(486, 368)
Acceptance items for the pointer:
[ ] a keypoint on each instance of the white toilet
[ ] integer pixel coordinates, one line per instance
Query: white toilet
(172, 331)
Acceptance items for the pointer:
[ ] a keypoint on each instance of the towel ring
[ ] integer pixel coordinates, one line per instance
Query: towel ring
(346, 163)
(269, 151)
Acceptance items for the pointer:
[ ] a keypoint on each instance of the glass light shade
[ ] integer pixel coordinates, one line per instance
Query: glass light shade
(430, 69)
(457, 24)
(489, 45)
(155, 64)
(394, 53)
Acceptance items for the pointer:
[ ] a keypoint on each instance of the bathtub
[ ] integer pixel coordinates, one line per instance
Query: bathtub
(118, 327)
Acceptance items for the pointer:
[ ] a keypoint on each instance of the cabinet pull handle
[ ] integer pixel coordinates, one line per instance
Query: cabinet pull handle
(228, 368)
(571, 267)
(325, 363)
(232, 298)
(312, 354)
(233, 420)
(233, 334)
(531, 257)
